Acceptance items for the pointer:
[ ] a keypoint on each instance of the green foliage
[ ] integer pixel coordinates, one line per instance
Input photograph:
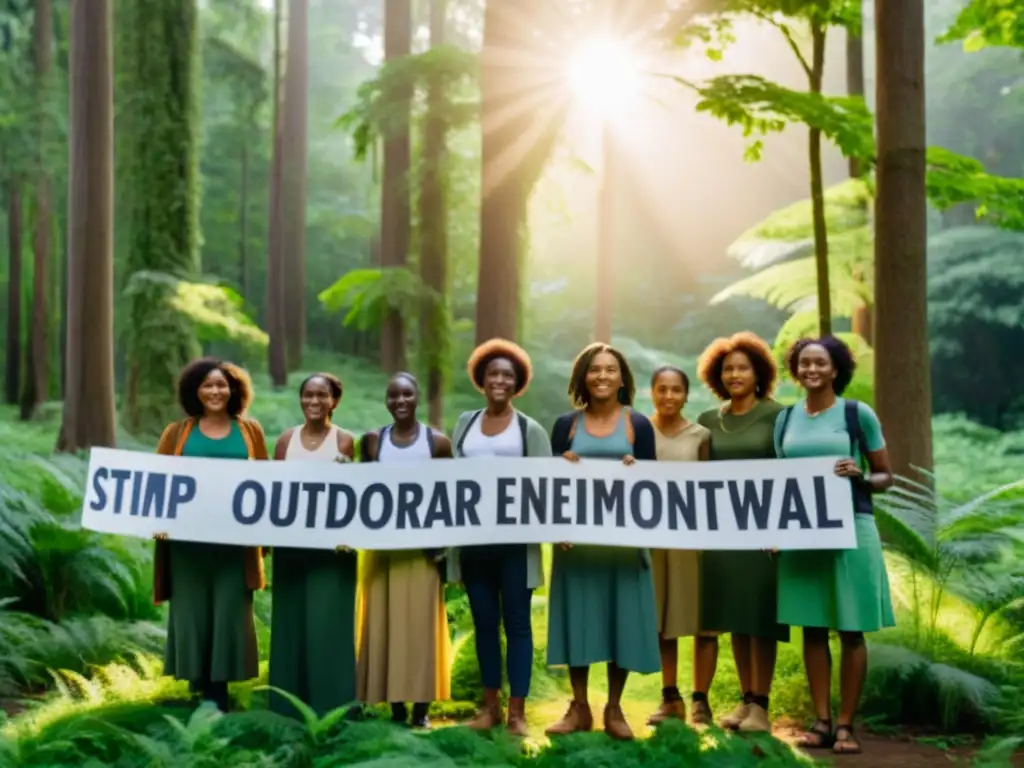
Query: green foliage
(954, 179)
(379, 109)
(158, 85)
(983, 23)
(368, 294)
(976, 323)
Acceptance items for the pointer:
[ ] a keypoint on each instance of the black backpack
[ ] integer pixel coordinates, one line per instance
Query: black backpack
(862, 503)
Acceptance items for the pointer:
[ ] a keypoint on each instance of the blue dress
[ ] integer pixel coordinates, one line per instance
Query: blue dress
(601, 599)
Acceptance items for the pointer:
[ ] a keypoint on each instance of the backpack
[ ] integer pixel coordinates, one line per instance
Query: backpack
(476, 415)
(862, 503)
(365, 455)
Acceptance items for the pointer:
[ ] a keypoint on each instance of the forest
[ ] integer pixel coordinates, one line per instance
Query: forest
(368, 186)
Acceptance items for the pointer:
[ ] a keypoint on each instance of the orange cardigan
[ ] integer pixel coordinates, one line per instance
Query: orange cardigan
(172, 442)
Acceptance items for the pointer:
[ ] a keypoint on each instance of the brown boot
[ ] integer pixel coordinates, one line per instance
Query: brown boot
(489, 715)
(668, 710)
(615, 724)
(517, 717)
(577, 718)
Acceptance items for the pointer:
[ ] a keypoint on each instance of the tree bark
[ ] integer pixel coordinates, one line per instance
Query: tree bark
(277, 361)
(12, 359)
(821, 263)
(89, 416)
(295, 140)
(434, 231)
(902, 362)
(516, 144)
(395, 217)
(37, 368)
(862, 316)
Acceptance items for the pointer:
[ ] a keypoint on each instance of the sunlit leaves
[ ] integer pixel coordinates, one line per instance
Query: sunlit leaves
(983, 23)
(954, 179)
(368, 294)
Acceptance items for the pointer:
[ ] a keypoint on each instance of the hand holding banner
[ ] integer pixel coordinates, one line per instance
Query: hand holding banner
(781, 504)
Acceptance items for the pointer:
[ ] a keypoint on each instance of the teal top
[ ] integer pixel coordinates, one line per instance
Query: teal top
(825, 433)
(231, 446)
(613, 446)
(537, 445)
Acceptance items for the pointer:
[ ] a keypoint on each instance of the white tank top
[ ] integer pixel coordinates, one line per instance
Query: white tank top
(418, 449)
(509, 442)
(326, 451)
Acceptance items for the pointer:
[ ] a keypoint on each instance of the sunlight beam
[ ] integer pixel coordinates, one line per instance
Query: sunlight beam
(603, 76)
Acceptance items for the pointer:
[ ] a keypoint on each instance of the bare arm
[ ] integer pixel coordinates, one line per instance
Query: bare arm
(281, 447)
(346, 445)
(368, 445)
(442, 446)
(880, 477)
(704, 452)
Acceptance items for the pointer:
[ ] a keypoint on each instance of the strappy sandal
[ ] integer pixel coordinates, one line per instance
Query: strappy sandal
(818, 736)
(844, 742)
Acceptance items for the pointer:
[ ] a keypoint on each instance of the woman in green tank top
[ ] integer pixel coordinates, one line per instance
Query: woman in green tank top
(211, 634)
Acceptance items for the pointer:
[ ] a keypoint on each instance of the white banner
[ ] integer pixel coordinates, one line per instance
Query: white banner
(783, 504)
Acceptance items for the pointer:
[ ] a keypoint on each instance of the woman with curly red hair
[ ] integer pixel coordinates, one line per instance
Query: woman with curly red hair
(739, 589)
(211, 634)
(500, 578)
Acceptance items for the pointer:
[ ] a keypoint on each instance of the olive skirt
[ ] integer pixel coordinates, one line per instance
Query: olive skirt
(211, 634)
(677, 592)
(601, 609)
(843, 590)
(313, 639)
(739, 594)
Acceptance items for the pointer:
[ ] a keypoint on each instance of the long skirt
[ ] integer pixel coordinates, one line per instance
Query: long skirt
(602, 609)
(313, 638)
(211, 634)
(739, 594)
(843, 590)
(404, 646)
(677, 592)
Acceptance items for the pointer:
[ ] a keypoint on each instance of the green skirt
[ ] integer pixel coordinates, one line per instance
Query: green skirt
(312, 635)
(602, 609)
(739, 594)
(211, 634)
(843, 590)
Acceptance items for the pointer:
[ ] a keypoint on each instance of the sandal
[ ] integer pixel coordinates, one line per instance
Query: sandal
(818, 736)
(844, 742)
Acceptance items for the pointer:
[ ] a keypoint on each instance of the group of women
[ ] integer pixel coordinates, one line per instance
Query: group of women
(616, 605)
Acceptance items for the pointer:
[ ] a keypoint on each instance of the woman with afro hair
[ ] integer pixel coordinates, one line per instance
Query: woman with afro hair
(846, 591)
(739, 589)
(211, 635)
(500, 578)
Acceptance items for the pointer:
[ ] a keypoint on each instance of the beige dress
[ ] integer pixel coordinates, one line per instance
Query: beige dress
(677, 571)
(403, 626)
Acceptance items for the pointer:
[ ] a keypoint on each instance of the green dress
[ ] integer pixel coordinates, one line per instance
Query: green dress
(739, 589)
(602, 598)
(847, 589)
(211, 634)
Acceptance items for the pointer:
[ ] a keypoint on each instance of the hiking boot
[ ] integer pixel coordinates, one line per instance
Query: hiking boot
(667, 711)
(731, 722)
(517, 717)
(489, 715)
(756, 720)
(615, 724)
(700, 714)
(577, 718)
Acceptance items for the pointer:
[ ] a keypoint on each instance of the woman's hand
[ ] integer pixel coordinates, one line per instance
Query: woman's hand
(565, 545)
(629, 460)
(570, 456)
(160, 537)
(341, 458)
(848, 468)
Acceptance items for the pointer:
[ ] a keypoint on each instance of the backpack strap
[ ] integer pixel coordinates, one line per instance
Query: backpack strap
(853, 428)
(522, 431)
(430, 440)
(465, 433)
(785, 424)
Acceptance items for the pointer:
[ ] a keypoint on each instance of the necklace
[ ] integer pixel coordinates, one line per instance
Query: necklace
(815, 414)
(310, 442)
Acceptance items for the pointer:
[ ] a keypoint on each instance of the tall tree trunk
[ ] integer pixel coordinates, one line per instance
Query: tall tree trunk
(277, 360)
(862, 316)
(243, 221)
(395, 216)
(159, 90)
(37, 369)
(516, 143)
(434, 232)
(12, 352)
(817, 190)
(902, 363)
(89, 396)
(295, 121)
